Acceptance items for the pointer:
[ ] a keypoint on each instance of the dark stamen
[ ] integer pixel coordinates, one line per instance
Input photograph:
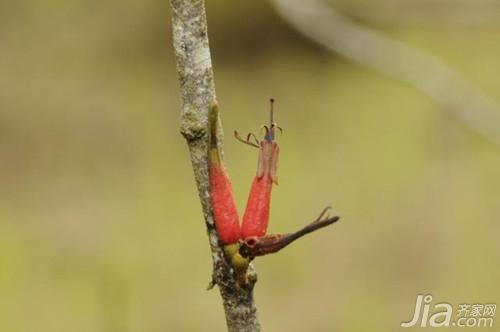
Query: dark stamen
(270, 131)
(271, 101)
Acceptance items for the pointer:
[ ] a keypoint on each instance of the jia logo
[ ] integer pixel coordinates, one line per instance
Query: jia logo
(441, 314)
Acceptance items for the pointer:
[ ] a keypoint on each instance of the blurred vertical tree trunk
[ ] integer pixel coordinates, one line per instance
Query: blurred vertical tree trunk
(196, 79)
(322, 23)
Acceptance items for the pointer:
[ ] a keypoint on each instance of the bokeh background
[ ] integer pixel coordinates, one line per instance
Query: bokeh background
(100, 224)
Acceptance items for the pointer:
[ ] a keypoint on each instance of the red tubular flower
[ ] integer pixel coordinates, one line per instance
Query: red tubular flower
(224, 206)
(242, 245)
(256, 217)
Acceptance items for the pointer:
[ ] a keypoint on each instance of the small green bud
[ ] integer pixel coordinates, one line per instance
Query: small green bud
(231, 249)
(239, 263)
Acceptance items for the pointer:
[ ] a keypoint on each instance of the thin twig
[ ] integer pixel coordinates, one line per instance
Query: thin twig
(198, 92)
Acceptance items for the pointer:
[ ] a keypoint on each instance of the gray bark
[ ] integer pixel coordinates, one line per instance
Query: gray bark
(196, 79)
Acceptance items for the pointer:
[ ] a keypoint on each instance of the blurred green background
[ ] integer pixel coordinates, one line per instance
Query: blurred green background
(100, 225)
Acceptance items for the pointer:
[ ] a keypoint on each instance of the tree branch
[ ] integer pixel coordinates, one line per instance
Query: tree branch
(196, 79)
